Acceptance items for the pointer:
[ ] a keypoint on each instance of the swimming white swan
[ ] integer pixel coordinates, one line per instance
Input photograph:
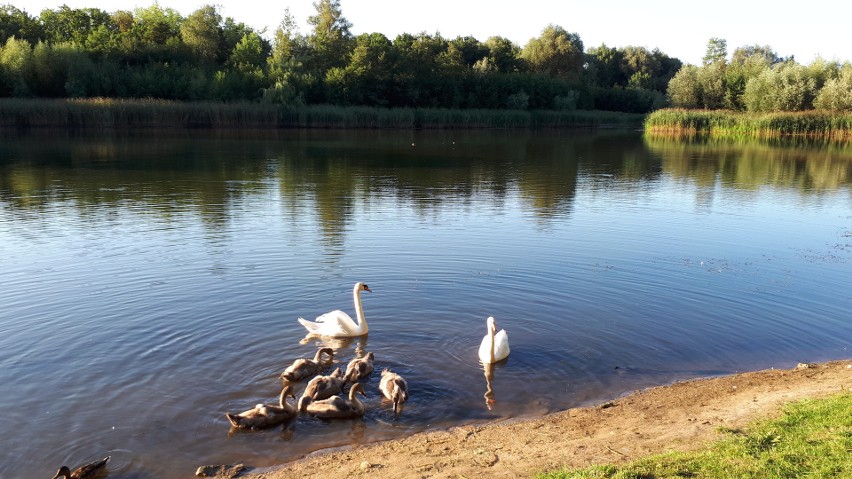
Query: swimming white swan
(494, 347)
(337, 324)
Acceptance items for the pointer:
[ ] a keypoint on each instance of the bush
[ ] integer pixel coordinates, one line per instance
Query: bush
(785, 87)
(567, 101)
(518, 101)
(836, 94)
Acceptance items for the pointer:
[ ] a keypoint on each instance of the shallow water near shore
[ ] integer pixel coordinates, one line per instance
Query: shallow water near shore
(151, 281)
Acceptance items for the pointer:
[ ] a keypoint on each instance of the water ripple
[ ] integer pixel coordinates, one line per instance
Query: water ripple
(146, 294)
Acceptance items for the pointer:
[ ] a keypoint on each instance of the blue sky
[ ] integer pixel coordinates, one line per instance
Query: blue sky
(678, 28)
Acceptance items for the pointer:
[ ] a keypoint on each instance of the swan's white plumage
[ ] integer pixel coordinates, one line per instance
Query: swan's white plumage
(338, 324)
(498, 343)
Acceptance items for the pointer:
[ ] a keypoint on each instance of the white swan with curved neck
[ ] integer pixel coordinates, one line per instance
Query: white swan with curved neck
(337, 324)
(494, 347)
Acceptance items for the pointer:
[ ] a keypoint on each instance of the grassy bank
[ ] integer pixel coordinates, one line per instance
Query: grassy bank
(730, 123)
(116, 113)
(813, 438)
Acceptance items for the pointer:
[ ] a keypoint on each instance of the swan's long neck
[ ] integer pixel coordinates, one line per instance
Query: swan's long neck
(359, 310)
(282, 400)
(354, 400)
(491, 330)
(303, 403)
(318, 355)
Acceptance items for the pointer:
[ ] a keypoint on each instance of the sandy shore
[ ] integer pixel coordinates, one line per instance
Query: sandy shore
(677, 417)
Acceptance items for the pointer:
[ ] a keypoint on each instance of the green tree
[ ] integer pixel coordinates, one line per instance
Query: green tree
(470, 49)
(501, 56)
(741, 70)
(836, 94)
(17, 23)
(668, 66)
(156, 25)
(368, 76)
(639, 60)
(711, 79)
(556, 52)
(750, 53)
(286, 38)
(699, 87)
(331, 40)
(81, 73)
(684, 90)
(286, 64)
(16, 68)
(717, 51)
(67, 24)
(605, 66)
(822, 70)
(233, 33)
(784, 87)
(202, 33)
(418, 75)
(101, 40)
(123, 20)
(49, 73)
(248, 55)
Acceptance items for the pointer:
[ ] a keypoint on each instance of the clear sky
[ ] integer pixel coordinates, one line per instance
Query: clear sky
(679, 28)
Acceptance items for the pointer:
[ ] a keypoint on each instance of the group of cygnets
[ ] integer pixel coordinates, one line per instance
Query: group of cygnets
(320, 397)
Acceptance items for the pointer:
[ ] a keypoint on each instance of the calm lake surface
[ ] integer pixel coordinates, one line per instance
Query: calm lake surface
(150, 282)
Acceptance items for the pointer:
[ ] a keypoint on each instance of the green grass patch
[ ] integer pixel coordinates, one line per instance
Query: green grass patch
(682, 122)
(99, 113)
(812, 438)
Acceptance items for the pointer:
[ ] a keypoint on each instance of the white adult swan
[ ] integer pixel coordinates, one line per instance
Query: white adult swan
(338, 324)
(494, 347)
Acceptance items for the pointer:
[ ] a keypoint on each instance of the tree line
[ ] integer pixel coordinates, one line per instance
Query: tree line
(757, 79)
(155, 52)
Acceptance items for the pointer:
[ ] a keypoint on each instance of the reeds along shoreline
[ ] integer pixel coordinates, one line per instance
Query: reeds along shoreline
(99, 113)
(722, 123)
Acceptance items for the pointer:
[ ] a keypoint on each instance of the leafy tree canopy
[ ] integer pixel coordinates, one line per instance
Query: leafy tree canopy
(556, 52)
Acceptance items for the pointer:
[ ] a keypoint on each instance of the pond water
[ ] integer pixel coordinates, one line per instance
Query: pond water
(151, 281)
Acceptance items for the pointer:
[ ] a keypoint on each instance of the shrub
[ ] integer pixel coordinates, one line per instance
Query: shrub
(518, 101)
(836, 94)
(567, 101)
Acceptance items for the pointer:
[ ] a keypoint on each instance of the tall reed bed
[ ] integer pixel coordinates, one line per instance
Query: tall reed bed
(101, 113)
(729, 123)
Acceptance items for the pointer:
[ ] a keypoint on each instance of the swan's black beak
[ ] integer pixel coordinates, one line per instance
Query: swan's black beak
(367, 289)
